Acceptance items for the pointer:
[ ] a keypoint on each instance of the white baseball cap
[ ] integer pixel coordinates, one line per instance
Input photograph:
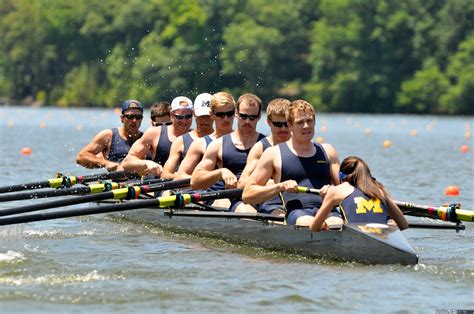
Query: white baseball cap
(181, 102)
(202, 105)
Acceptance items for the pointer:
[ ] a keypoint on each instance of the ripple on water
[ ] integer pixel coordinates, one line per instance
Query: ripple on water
(9, 257)
(58, 279)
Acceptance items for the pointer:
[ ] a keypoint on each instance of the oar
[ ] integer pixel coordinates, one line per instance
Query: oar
(446, 213)
(228, 215)
(450, 213)
(269, 217)
(66, 181)
(177, 200)
(90, 189)
(129, 192)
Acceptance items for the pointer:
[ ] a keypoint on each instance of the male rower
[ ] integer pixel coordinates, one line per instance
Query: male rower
(109, 147)
(156, 141)
(299, 161)
(225, 158)
(277, 111)
(222, 111)
(180, 147)
(160, 113)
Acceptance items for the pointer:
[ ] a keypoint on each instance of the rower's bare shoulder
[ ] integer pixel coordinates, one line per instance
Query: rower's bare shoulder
(329, 148)
(256, 151)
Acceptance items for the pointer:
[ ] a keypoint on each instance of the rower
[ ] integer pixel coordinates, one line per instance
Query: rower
(156, 141)
(160, 113)
(222, 111)
(298, 161)
(360, 198)
(225, 158)
(109, 147)
(276, 118)
(180, 147)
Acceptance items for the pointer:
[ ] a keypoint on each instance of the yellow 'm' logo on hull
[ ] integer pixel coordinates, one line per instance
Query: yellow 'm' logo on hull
(363, 205)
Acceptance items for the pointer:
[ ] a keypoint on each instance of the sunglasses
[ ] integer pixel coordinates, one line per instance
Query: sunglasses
(183, 116)
(162, 123)
(133, 116)
(224, 114)
(279, 124)
(244, 116)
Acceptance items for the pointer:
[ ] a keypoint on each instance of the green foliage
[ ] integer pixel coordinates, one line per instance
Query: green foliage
(411, 56)
(423, 91)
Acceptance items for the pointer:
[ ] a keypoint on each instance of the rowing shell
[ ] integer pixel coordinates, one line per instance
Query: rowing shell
(366, 243)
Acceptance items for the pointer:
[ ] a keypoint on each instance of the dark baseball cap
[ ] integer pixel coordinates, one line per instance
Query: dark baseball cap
(131, 104)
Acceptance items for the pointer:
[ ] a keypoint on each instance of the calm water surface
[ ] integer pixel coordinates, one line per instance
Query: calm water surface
(105, 264)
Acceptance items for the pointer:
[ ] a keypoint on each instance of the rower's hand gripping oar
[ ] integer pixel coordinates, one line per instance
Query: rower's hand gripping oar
(67, 181)
(83, 190)
(450, 213)
(162, 202)
(127, 192)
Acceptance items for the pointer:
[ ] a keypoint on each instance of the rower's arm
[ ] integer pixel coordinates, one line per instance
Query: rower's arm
(256, 190)
(93, 155)
(171, 165)
(205, 173)
(190, 161)
(334, 163)
(252, 160)
(331, 200)
(136, 161)
(396, 214)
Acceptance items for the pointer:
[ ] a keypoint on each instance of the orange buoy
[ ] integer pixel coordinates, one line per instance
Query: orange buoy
(387, 143)
(464, 149)
(26, 151)
(118, 111)
(413, 132)
(467, 134)
(451, 190)
(324, 128)
(320, 139)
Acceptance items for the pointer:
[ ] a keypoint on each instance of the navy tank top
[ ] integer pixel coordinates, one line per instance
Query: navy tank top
(234, 158)
(163, 147)
(265, 143)
(358, 207)
(119, 147)
(208, 140)
(187, 140)
(312, 172)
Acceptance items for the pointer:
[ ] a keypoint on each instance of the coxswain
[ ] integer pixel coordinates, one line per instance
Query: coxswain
(360, 198)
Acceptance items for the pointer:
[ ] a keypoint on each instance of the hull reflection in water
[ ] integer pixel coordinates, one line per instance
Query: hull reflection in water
(366, 243)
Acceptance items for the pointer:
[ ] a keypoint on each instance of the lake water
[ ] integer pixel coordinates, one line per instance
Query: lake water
(104, 264)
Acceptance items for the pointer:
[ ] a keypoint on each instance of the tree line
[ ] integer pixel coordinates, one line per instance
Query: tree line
(376, 56)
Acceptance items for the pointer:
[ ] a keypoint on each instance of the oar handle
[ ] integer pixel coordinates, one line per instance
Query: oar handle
(68, 181)
(303, 189)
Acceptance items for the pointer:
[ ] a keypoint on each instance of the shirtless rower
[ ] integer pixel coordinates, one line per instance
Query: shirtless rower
(225, 158)
(305, 163)
(222, 111)
(180, 147)
(277, 111)
(109, 147)
(156, 141)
